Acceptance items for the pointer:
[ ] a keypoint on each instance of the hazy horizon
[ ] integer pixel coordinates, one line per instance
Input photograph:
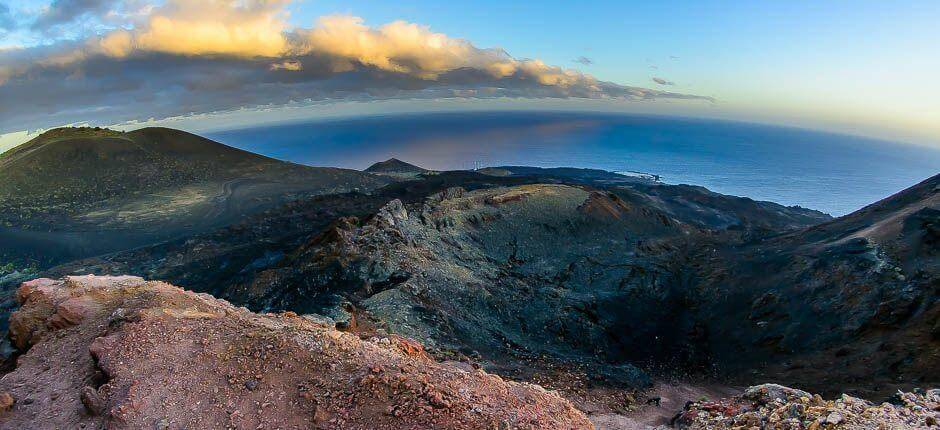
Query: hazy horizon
(830, 172)
(233, 121)
(865, 68)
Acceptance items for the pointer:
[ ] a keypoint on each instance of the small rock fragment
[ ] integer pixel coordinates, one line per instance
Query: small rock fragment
(92, 401)
(834, 418)
(6, 402)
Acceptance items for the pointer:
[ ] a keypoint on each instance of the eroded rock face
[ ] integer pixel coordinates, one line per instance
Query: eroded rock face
(120, 352)
(776, 407)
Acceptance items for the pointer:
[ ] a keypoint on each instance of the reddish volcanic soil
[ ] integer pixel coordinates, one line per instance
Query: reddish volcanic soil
(119, 352)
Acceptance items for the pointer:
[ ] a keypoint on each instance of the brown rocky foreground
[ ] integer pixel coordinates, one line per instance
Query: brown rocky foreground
(120, 352)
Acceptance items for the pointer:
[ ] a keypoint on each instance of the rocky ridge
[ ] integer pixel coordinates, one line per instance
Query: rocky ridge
(850, 304)
(500, 272)
(518, 277)
(606, 278)
(120, 352)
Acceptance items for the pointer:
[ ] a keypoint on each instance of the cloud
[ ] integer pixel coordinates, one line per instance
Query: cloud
(662, 81)
(289, 65)
(210, 27)
(61, 12)
(584, 60)
(198, 56)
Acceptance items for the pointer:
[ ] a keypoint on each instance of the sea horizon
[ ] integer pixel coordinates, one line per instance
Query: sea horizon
(834, 173)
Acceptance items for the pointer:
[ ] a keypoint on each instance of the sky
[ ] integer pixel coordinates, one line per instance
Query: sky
(859, 67)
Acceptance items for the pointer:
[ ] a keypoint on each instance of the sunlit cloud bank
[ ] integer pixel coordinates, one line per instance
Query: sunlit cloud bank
(188, 57)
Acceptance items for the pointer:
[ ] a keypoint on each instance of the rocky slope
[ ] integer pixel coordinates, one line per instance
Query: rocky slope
(120, 353)
(777, 407)
(80, 165)
(513, 276)
(850, 304)
(637, 275)
(77, 192)
(214, 261)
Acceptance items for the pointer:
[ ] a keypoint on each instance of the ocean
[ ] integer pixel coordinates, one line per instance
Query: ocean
(833, 173)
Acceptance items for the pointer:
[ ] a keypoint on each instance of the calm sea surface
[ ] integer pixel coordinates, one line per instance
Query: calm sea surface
(833, 173)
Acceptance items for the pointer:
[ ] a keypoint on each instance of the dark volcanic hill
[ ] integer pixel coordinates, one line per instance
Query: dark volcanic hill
(75, 189)
(72, 167)
(396, 168)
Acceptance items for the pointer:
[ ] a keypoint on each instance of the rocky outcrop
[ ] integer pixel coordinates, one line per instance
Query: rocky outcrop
(776, 407)
(624, 278)
(850, 305)
(504, 276)
(120, 352)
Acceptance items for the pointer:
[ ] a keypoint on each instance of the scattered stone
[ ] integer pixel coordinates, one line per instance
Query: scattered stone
(772, 406)
(6, 402)
(834, 418)
(769, 393)
(92, 402)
